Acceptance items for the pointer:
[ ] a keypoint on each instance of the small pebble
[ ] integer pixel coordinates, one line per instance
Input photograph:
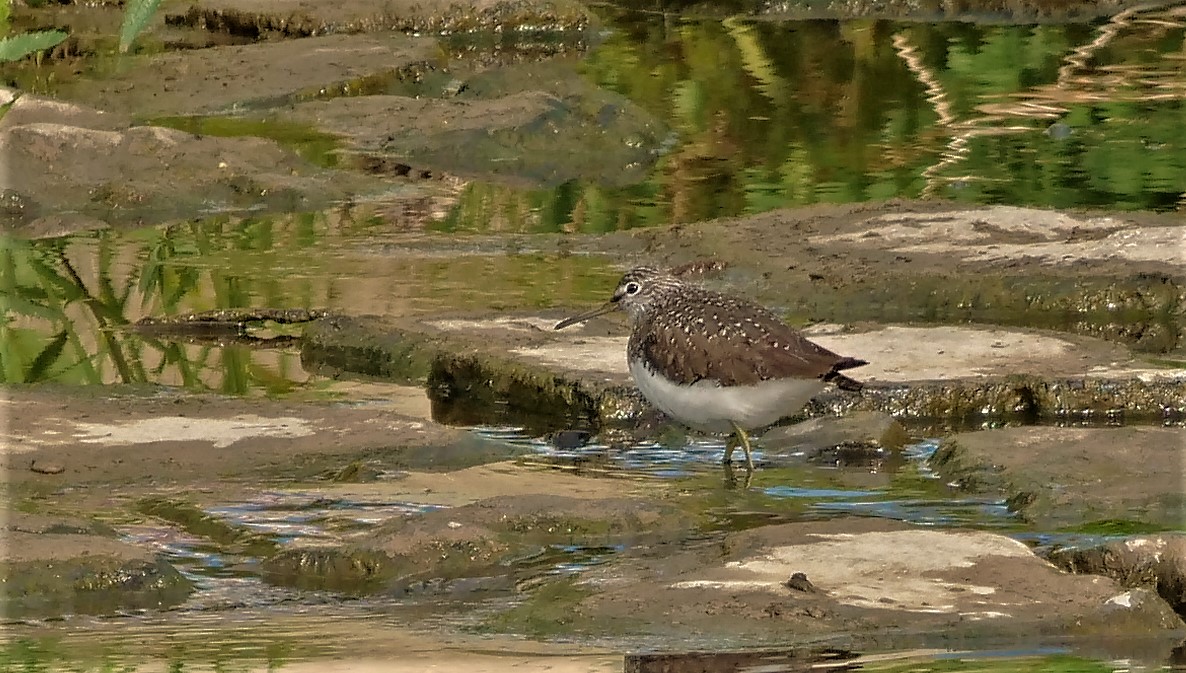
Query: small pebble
(42, 467)
(570, 439)
(799, 582)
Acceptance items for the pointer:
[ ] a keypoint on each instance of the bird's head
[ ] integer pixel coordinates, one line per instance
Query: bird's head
(636, 293)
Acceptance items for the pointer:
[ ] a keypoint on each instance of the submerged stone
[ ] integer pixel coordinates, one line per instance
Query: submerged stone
(347, 571)
(861, 432)
(534, 124)
(1055, 477)
(52, 567)
(454, 549)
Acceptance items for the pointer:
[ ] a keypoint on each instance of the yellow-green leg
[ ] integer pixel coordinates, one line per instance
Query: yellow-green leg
(739, 437)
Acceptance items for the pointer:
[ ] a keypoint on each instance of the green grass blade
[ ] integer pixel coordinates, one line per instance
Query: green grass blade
(137, 14)
(46, 358)
(19, 46)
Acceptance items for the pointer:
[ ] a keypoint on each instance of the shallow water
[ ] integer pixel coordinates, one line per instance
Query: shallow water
(762, 115)
(73, 301)
(799, 489)
(770, 114)
(236, 619)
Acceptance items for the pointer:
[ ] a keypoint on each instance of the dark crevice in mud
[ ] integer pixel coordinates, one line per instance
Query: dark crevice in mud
(1151, 561)
(465, 390)
(381, 165)
(224, 322)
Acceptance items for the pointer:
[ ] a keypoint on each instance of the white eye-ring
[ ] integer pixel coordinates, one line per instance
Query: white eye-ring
(632, 288)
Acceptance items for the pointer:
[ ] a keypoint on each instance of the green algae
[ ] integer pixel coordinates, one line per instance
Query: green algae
(197, 522)
(89, 584)
(552, 610)
(347, 571)
(1119, 527)
(317, 147)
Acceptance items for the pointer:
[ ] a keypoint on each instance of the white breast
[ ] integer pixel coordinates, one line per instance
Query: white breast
(705, 405)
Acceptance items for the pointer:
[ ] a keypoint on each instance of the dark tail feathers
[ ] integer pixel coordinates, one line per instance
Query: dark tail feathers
(843, 382)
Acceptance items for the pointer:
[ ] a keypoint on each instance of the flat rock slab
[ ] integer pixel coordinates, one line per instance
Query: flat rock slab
(537, 124)
(170, 437)
(1117, 276)
(1012, 233)
(930, 373)
(82, 169)
(1074, 477)
(221, 78)
(896, 354)
(864, 578)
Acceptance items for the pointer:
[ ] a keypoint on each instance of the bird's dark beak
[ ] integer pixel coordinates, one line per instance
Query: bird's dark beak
(600, 310)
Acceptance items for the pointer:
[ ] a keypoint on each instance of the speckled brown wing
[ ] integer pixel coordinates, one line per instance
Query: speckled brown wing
(724, 339)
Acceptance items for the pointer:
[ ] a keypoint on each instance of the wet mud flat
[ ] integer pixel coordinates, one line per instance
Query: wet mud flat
(381, 513)
(1011, 479)
(574, 512)
(568, 524)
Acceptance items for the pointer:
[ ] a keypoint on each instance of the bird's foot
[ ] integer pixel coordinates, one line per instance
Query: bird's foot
(740, 438)
(730, 445)
(731, 481)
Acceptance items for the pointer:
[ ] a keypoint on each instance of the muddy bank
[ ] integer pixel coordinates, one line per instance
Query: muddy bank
(264, 75)
(285, 129)
(138, 456)
(1088, 479)
(171, 437)
(392, 506)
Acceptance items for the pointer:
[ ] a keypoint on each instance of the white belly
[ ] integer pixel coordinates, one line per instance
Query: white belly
(705, 405)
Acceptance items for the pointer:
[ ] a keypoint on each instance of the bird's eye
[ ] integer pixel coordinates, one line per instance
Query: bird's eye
(632, 288)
